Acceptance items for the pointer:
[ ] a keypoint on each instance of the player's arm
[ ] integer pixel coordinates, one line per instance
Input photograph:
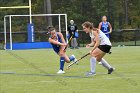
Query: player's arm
(55, 42)
(100, 24)
(68, 29)
(76, 28)
(110, 27)
(62, 38)
(63, 48)
(97, 40)
(91, 44)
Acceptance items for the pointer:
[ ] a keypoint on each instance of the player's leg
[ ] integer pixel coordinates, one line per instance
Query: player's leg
(62, 59)
(70, 58)
(72, 43)
(107, 66)
(75, 43)
(94, 54)
(103, 61)
(62, 62)
(63, 53)
(70, 40)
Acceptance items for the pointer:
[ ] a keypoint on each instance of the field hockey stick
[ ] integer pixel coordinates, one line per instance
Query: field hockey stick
(70, 39)
(68, 42)
(77, 60)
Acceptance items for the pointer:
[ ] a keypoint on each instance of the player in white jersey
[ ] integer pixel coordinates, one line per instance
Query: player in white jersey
(101, 45)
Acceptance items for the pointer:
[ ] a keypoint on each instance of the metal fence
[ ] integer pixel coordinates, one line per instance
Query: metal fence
(127, 37)
(124, 37)
(130, 37)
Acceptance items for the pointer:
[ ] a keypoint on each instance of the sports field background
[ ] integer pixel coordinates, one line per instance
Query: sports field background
(34, 71)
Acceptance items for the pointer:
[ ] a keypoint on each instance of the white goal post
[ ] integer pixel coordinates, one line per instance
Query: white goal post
(33, 15)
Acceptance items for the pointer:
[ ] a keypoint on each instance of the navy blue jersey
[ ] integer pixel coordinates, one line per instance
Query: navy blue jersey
(105, 28)
(56, 48)
(72, 28)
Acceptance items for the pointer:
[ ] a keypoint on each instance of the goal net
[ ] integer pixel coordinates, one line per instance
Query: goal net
(15, 27)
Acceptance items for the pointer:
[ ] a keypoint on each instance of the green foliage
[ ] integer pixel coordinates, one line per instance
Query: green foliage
(81, 10)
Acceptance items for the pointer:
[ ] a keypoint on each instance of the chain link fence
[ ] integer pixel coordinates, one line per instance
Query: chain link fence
(118, 38)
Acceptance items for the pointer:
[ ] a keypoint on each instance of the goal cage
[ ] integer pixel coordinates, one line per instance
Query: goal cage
(19, 33)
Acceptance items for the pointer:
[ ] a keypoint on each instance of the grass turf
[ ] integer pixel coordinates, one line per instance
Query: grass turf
(34, 71)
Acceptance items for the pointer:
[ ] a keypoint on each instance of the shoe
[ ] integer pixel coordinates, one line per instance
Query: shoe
(110, 70)
(60, 72)
(71, 47)
(100, 63)
(77, 47)
(75, 60)
(90, 73)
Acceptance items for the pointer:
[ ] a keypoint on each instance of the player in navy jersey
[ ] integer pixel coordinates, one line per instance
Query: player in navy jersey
(59, 46)
(73, 30)
(105, 26)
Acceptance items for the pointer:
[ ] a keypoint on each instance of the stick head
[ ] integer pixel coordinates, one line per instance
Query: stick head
(68, 68)
(77, 60)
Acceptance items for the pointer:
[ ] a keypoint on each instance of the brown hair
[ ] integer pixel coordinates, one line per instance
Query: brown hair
(88, 24)
(50, 28)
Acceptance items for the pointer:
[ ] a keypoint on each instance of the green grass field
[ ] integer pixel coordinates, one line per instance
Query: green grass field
(34, 71)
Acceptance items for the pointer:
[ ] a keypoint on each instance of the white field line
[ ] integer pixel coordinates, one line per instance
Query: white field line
(45, 81)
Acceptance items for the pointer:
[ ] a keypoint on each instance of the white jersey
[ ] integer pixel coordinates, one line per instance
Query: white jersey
(104, 40)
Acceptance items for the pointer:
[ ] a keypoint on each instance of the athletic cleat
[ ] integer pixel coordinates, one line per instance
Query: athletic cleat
(90, 74)
(60, 72)
(110, 70)
(100, 63)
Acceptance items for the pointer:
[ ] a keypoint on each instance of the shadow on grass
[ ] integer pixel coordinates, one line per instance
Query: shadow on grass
(49, 75)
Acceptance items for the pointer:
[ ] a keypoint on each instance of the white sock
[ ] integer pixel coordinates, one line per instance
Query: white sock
(92, 64)
(105, 64)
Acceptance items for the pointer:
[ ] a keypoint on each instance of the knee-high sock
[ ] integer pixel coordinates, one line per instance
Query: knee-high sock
(105, 64)
(62, 62)
(92, 64)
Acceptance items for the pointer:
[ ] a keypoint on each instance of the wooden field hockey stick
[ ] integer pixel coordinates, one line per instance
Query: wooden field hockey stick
(70, 39)
(68, 42)
(77, 60)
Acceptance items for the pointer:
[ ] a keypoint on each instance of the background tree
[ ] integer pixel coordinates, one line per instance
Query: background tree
(120, 13)
(47, 10)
